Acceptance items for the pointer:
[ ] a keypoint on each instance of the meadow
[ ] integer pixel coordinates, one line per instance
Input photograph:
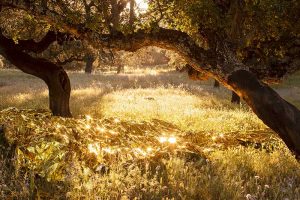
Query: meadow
(169, 138)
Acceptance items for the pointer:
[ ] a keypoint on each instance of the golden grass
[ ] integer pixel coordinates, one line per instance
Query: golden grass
(232, 154)
(191, 105)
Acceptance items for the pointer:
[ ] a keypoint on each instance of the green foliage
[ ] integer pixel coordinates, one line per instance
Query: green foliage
(20, 25)
(267, 28)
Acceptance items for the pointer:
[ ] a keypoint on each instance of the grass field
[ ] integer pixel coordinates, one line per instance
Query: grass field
(240, 158)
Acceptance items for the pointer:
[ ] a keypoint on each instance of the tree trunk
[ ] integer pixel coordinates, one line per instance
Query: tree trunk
(274, 111)
(89, 67)
(115, 16)
(120, 68)
(53, 75)
(131, 14)
(235, 98)
(59, 93)
(216, 84)
(89, 59)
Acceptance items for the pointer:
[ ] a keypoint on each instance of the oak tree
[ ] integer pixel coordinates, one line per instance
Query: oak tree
(244, 44)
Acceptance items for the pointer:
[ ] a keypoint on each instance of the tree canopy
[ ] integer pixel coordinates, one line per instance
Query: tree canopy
(264, 35)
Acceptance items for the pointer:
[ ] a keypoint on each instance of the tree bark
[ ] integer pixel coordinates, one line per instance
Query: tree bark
(53, 75)
(89, 59)
(275, 112)
(88, 67)
(235, 98)
(59, 92)
(131, 14)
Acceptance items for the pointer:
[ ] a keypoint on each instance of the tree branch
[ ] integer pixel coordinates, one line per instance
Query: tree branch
(34, 66)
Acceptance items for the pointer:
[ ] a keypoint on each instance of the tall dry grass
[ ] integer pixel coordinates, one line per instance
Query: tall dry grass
(244, 159)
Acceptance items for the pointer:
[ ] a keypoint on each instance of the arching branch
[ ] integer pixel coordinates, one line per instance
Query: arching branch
(274, 111)
(38, 47)
(53, 75)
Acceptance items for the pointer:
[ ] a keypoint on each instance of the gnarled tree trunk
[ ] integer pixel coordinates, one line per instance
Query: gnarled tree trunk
(275, 112)
(53, 75)
(59, 92)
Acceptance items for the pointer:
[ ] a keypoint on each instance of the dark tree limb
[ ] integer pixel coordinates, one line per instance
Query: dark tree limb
(275, 112)
(53, 75)
(38, 47)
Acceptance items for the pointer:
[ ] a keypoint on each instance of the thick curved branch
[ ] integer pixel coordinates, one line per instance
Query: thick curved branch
(53, 75)
(274, 111)
(39, 47)
(199, 58)
(217, 62)
(28, 64)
